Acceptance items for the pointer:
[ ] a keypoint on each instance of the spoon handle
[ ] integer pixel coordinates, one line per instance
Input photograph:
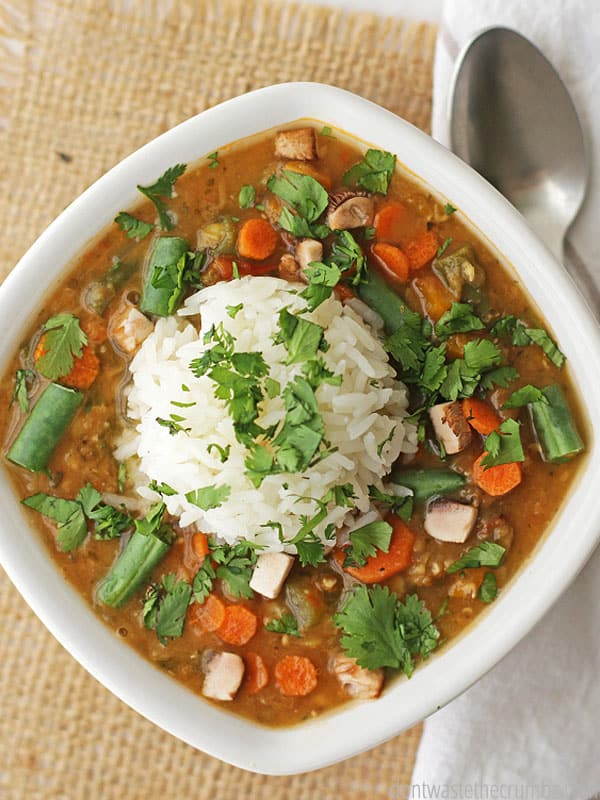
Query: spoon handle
(582, 277)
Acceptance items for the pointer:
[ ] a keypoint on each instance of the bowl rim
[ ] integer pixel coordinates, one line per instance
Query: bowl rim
(355, 727)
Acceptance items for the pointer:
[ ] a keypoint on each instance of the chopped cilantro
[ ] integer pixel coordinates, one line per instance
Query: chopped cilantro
(247, 196)
(20, 394)
(510, 327)
(233, 311)
(302, 338)
(173, 425)
(401, 505)
(234, 565)
(373, 173)
(486, 554)
(307, 198)
(222, 451)
(449, 209)
(163, 187)
(326, 131)
(121, 476)
(109, 522)
(444, 246)
(162, 488)
(488, 591)
(165, 606)
(68, 514)
(287, 623)
(316, 372)
(525, 395)
(366, 541)
(209, 497)
(235, 270)
(213, 159)
(461, 318)
(369, 233)
(503, 446)
(63, 340)
(133, 227)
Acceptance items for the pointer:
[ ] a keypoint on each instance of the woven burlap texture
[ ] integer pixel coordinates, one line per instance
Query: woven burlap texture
(82, 84)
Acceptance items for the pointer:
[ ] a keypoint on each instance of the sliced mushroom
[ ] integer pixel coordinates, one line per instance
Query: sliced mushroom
(308, 250)
(223, 676)
(270, 572)
(449, 520)
(356, 681)
(298, 145)
(129, 327)
(349, 210)
(288, 267)
(451, 428)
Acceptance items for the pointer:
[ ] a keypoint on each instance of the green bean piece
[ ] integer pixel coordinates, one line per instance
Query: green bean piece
(377, 294)
(554, 426)
(426, 483)
(164, 282)
(44, 427)
(135, 563)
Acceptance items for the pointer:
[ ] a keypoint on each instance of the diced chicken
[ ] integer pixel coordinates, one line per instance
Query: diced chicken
(270, 572)
(298, 145)
(129, 327)
(449, 521)
(451, 427)
(223, 676)
(308, 250)
(288, 268)
(356, 681)
(349, 210)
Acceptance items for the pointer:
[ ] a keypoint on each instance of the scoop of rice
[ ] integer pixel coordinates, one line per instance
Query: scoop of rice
(364, 417)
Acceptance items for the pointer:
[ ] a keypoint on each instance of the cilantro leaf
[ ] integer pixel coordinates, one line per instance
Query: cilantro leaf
(461, 318)
(209, 497)
(162, 488)
(488, 591)
(551, 351)
(301, 337)
(373, 173)
(203, 581)
(247, 196)
(435, 370)
(449, 209)
(165, 606)
(287, 623)
(316, 372)
(173, 425)
(222, 451)
(235, 566)
(380, 631)
(501, 376)
(408, 344)
(481, 354)
(134, 228)
(346, 254)
(62, 342)
(486, 554)
(306, 197)
(503, 446)
(68, 514)
(366, 541)
(109, 522)
(163, 187)
(510, 327)
(311, 551)
(400, 505)
(233, 311)
(20, 392)
(525, 395)
(443, 247)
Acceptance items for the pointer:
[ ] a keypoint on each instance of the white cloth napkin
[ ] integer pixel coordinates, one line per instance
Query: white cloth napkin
(531, 727)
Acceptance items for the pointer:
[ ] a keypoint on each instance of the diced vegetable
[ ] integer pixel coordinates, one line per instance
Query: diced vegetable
(480, 415)
(257, 239)
(459, 268)
(449, 521)
(382, 566)
(270, 572)
(45, 426)
(497, 480)
(393, 260)
(421, 250)
(164, 281)
(132, 568)
(435, 298)
(379, 295)
(100, 294)
(296, 676)
(426, 483)
(239, 625)
(554, 426)
(208, 616)
(200, 546)
(224, 673)
(305, 602)
(218, 237)
(389, 222)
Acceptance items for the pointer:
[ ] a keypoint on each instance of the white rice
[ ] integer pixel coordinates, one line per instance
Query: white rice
(359, 415)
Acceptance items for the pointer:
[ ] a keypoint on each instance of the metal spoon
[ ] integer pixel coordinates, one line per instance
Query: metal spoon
(513, 120)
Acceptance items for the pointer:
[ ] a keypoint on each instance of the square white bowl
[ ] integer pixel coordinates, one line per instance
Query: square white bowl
(574, 534)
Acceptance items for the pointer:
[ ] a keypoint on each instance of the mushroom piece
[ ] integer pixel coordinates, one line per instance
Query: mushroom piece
(270, 572)
(129, 327)
(451, 427)
(223, 676)
(349, 210)
(449, 520)
(356, 681)
(299, 144)
(308, 250)
(288, 268)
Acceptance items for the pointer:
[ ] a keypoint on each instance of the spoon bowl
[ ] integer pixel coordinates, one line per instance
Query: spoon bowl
(513, 120)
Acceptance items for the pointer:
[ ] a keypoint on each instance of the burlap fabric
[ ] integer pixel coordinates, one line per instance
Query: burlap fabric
(82, 84)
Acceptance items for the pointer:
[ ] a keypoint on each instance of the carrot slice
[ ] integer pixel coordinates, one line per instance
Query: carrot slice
(296, 676)
(305, 168)
(389, 222)
(421, 250)
(257, 675)
(85, 367)
(435, 299)
(257, 239)
(480, 415)
(200, 546)
(497, 480)
(392, 259)
(238, 626)
(383, 565)
(208, 616)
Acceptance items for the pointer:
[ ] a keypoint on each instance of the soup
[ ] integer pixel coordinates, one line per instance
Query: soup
(288, 426)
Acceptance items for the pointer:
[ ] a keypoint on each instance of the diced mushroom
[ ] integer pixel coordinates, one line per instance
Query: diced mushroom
(298, 145)
(449, 521)
(356, 681)
(349, 210)
(288, 268)
(129, 327)
(223, 676)
(308, 250)
(270, 572)
(451, 427)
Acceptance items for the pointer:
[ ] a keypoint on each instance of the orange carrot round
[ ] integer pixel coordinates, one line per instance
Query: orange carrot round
(389, 222)
(296, 676)
(257, 239)
(208, 616)
(421, 250)
(382, 566)
(392, 259)
(238, 626)
(497, 480)
(200, 546)
(480, 415)
(257, 675)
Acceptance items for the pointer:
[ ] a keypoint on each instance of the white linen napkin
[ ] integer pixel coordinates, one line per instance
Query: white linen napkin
(531, 727)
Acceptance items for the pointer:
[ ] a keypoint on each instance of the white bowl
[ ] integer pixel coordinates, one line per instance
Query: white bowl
(575, 532)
